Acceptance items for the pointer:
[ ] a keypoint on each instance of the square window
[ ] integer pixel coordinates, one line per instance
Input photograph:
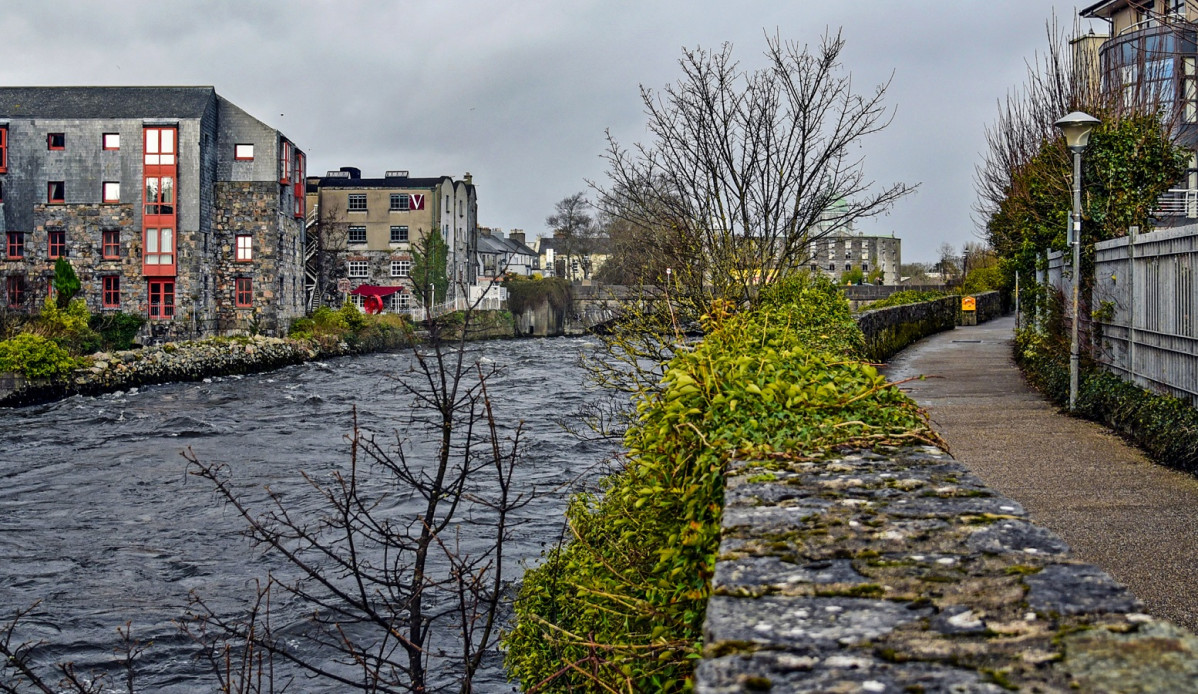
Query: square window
(400, 202)
(356, 234)
(359, 268)
(56, 192)
(243, 152)
(162, 299)
(401, 268)
(160, 146)
(112, 291)
(245, 248)
(58, 244)
(111, 141)
(16, 290)
(112, 191)
(112, 243)
(245, 292)
(399, 234)
(56, 141)
(16, 244)
(357, 202)
(400, 300)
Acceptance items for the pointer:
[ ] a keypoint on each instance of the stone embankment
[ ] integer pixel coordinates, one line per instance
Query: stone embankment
(184, 361)
(901, 572)
(888, 330)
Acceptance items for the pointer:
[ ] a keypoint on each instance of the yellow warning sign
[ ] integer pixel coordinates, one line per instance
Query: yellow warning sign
(968, 303)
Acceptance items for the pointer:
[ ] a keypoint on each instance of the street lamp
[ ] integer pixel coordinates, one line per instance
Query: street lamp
(1076, 127)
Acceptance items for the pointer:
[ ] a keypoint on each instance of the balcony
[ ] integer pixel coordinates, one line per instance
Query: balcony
(1177, 202)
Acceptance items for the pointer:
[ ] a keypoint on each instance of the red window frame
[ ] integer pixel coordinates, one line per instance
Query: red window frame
(161, 295)
(104, 143)
(104, 191)
(301, 203)
(112, 291)
(61, 139)
(240, 154)
(56, 192)
(56, 243)
(15, 243)
(245, 292)
(112, 244)
(3, 149)
(15, 288)
(243, 248)
(159, 221)
(285, 162)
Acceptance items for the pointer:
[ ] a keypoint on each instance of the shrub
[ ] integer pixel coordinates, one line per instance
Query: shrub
(905, 297)
(69, 327)
(66, 282)
(636, 576)
(117, 329)
(36, 357)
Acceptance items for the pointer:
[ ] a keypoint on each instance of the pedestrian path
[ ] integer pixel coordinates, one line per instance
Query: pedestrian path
(1115, 508)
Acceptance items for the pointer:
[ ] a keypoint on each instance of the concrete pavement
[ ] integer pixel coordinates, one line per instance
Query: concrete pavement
(1116, 509)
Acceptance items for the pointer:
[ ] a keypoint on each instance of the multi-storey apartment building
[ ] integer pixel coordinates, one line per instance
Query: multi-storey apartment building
(170, 202)
(363, 232)
(1150, 60)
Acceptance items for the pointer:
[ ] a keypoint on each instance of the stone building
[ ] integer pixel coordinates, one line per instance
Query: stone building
(169, 202)
(362, 233)
(841, 251)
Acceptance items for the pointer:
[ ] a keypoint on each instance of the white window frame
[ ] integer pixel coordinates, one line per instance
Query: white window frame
(358, 268)
(244, 249)
(401, 268)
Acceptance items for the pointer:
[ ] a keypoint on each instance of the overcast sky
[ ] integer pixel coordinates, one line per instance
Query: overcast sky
(519, 93)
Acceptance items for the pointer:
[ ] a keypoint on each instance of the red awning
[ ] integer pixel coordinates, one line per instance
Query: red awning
(375, 290)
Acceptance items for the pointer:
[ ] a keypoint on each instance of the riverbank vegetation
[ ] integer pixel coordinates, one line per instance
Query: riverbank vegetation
(620, 606)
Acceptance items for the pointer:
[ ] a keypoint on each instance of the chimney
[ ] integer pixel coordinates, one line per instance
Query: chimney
(516, 235)
(469, 178)
(486, 231)
(354, 172)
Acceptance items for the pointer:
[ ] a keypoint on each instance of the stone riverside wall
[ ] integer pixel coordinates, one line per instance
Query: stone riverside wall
(888, 330)
(185, 361)
(902, 572)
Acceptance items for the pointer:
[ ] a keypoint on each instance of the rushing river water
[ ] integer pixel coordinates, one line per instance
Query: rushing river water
(100, 522)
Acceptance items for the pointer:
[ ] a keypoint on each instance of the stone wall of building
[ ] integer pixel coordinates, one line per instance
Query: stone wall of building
(275, 272)
(84, 226)
(899, 571)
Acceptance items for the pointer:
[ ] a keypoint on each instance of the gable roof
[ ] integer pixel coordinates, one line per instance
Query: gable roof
(105, 102)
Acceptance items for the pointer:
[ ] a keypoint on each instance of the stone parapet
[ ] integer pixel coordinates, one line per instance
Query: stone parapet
(901, 572)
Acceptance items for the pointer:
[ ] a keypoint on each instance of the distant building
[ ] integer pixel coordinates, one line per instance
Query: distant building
(169, 202)
(841, 251)
(498, 256)
(362, 231)
(574, 259)
(1150, 61)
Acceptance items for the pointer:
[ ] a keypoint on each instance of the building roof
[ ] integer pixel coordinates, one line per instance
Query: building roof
(105, 102)
(490, 243)
(1102, 9)
(397, 183)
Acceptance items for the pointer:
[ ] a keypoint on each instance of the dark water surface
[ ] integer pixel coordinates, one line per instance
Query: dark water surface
(100, 523)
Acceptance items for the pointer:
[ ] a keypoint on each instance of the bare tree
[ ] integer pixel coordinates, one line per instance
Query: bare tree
(574, 232)
(393, 603)
(746, 167)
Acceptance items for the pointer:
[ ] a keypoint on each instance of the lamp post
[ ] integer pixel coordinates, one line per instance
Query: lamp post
(1076, 127)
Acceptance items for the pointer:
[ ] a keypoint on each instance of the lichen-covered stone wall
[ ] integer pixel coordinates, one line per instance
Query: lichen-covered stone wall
(901, 572)
(888, 330)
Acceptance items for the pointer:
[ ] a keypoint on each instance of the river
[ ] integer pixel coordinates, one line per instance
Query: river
(100, 522)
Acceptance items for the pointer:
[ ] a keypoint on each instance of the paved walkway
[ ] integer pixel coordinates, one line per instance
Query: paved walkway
(1115, 508)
